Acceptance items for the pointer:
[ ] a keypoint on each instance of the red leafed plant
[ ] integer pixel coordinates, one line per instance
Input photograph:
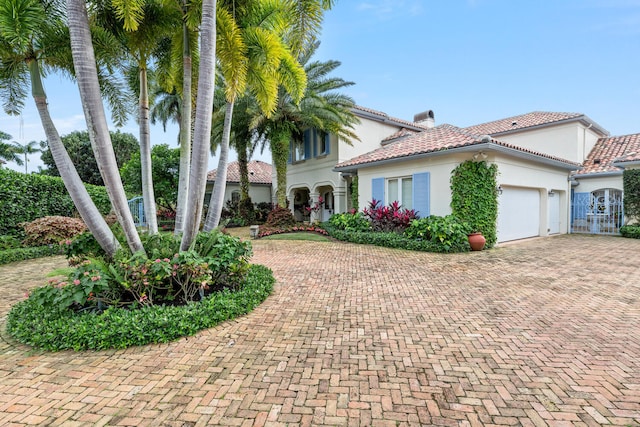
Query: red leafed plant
(388, 218)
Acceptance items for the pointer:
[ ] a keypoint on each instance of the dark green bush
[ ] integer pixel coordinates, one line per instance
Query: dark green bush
(59, 329)
(631, 190)
(630, 231)
(26, 197)
(448, 232)
(21, 254)
(280, 217)
(9, 242)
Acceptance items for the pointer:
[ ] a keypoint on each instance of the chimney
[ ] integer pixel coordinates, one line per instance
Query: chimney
(425, 118)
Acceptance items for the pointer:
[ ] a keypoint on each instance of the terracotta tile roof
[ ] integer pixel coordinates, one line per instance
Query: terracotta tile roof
(608, 150)
(402, 133)
(523, 121)
(259, 172)
(387, 118)
(432, 140)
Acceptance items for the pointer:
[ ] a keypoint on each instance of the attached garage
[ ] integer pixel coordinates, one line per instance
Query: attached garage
(518, 213)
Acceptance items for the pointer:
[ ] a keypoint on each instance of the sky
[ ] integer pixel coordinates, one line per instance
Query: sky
(470, 61)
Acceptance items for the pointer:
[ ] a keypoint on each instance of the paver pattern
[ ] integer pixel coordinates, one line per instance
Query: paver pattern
(541, 332)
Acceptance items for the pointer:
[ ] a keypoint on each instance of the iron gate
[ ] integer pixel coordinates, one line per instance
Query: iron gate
(136, 206)
(598, 212)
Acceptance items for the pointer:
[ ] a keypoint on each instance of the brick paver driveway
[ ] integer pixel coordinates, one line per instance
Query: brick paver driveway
(543, 332)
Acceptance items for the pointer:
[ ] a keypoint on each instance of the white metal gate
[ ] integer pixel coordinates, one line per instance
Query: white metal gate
(598, 212)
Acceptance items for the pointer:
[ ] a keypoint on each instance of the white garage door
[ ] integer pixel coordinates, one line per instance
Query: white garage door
(518, 213)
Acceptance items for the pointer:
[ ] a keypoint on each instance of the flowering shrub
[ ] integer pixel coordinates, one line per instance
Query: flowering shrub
(388, 218)
(267, 231)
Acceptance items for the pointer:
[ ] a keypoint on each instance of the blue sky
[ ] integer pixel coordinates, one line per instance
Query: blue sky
(471, 61)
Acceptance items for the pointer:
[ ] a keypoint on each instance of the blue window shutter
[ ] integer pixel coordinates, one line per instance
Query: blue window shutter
(315, 144)
(327, 143)
(377, 189)
(307, 138)
(421, 196)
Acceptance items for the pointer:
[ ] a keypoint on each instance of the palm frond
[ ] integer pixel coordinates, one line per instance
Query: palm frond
(131, 12)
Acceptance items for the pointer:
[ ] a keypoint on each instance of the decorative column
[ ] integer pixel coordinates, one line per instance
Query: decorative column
(340, 200)
(313, 200)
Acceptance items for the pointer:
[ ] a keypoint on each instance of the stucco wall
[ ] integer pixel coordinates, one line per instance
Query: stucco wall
(571, 141)
(258, 193)
(587, 185)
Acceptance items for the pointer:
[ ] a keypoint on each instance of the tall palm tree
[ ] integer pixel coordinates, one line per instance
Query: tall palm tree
(253, 56)
(26, 150)
(85, 66)
(321, 108)
(30, 37)
(145, 24)
(202, 125)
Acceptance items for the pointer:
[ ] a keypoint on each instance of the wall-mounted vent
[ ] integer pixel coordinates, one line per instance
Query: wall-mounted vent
(596, 161)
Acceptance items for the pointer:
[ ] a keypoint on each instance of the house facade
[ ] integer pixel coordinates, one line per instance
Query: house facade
(558, 172)
(259, 182)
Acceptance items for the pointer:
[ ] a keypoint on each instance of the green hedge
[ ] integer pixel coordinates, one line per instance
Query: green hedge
(21, 254)
(630, 231)
(26, 197)
(54, 330)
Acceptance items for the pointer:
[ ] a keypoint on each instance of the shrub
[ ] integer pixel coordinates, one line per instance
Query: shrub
(631, 190)
(350, 221)
(280, 217)
(388, 218)
(630, 231)
(20, 254)
(32, 324)
(26, 197)
(447, 232)
(52, 230)
(9, 242)
(266, 231)
(385, 239)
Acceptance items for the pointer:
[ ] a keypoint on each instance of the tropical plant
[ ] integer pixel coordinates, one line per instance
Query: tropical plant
(8, 151)
(252, 56)
(31, 147)
(34, 35)
(321, 108)
(388, 218)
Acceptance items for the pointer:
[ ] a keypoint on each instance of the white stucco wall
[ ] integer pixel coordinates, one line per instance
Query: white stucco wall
(258, 192)
(512, 172)
(587, 185)
(570, 141)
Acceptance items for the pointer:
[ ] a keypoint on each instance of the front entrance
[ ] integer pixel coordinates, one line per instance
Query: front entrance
(328, 206)
(598, 212)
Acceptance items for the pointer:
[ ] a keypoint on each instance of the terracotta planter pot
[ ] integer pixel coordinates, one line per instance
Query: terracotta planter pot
(476, 241)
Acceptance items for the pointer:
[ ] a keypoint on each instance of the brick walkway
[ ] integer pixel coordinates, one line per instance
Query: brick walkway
(542, 332)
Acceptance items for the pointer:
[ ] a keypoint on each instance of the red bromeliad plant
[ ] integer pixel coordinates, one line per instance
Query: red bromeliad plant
(388, 218)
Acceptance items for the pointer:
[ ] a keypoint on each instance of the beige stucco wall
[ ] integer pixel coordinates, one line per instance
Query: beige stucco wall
(258, 193)
(570, 141)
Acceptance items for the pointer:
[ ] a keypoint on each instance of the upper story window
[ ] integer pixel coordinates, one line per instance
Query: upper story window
(312, 143)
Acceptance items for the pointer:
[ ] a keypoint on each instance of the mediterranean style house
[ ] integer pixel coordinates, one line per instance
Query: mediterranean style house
(558, 172)
(259, 182)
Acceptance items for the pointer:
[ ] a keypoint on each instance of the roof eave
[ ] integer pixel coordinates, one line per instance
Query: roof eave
(583, 118)
(624, 164)
(385, 119)
(490, 146)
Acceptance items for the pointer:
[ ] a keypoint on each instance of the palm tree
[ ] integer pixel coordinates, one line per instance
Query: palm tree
(8, 151)
(202, 125)
(85, 66)
(321, 108)
(31, 37)
(145, 25)
(253, 56)
(27, 149)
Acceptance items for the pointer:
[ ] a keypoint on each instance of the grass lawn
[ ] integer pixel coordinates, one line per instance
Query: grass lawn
(313, 237)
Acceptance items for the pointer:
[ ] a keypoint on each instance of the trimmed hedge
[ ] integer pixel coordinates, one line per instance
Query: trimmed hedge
(21, 254)
(26, 197)
(630, 231)
(55, 330)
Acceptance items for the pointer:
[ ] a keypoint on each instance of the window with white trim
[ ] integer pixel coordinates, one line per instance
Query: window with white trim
(401, 190)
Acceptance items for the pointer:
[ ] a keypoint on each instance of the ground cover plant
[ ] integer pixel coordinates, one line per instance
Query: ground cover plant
(133, 299)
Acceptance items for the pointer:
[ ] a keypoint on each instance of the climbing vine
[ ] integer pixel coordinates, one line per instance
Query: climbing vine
(474, 198)
(631, 187)
(354, 192)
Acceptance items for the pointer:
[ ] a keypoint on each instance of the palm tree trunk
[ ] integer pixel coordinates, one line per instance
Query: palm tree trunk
(217, 196)
(87, 76)
(148, 196)
(202, 128)
(243, 168)
(74, 185)
(279, 154)
(185, 132)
